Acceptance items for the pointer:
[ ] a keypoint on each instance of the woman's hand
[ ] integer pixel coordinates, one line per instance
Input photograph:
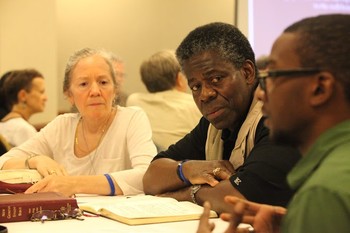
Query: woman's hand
(46, 166)
(54, 183)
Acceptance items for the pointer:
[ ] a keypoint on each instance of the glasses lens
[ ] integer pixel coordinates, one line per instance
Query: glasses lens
(76, 213)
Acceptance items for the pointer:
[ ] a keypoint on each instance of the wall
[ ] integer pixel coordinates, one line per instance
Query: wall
(28, 40)
(43, 33)
(133, 29)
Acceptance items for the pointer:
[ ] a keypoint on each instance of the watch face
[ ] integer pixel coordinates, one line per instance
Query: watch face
(195, 188)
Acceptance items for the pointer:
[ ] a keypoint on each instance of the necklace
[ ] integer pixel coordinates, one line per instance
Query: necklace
(13, 114)
(103, 132)
(77, 142)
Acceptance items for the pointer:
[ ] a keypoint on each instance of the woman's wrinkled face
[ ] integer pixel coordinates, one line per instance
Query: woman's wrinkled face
(92, 90)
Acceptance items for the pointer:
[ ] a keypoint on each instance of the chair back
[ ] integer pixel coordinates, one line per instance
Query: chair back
(4, 145)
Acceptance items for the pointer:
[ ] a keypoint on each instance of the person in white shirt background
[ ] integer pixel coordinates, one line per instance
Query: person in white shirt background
(171, 110)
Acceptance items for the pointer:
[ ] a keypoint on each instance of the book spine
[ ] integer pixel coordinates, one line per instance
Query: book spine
(23, 212)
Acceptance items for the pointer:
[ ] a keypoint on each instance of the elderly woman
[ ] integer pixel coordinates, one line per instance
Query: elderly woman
(102, 149)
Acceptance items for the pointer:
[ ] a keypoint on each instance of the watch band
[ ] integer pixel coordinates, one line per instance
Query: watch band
(194, 189)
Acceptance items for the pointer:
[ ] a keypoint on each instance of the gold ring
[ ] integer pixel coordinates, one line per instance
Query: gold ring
(251, 229)
(52, 172)
(216, 171)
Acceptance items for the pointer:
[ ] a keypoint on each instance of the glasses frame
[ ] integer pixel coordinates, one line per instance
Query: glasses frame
(293, 73)
(52, 215)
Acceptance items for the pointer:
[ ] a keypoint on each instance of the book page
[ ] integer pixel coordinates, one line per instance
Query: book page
(153, 208)
(17, 176)
(148, 207)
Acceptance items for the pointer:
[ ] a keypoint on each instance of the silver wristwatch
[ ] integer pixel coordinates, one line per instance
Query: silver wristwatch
(194, 190)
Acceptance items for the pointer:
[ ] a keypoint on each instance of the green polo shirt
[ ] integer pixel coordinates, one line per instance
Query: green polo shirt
(322, 183)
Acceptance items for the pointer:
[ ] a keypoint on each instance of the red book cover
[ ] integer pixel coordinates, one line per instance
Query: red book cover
(20, 207)
(13, 188)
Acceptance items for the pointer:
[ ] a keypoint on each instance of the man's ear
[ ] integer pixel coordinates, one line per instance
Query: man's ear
(323, 88)
(248, 71)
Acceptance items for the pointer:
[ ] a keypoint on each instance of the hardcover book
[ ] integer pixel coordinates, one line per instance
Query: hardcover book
(21, 207)
(18, 180)
(145, 209)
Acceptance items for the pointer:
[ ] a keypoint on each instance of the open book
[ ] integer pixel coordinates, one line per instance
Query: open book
(145, 209)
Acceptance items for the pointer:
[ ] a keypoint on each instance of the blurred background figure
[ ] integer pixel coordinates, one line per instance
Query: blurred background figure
(22, 94)
(3, 108)
(171, 111)
(119, 69)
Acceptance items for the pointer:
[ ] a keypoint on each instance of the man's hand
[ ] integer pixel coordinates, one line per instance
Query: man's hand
(263, 218)
(207, 227)
(204, 225)
(180, 195)
(207, 172)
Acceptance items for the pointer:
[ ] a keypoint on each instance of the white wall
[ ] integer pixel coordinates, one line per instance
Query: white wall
(28, 40)
(43, 33)
(134, 29)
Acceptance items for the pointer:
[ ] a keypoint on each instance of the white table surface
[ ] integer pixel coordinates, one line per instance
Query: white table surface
(101, 224)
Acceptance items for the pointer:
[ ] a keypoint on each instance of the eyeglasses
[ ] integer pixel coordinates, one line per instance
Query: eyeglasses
(263, 75)
(51, 215)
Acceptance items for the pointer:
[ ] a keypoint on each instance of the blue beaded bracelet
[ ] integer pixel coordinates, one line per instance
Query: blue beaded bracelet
(111, 184)
(180, 173)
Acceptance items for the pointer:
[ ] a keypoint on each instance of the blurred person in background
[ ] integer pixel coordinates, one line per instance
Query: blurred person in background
(23, 94)
(170, 109)
(119, 69)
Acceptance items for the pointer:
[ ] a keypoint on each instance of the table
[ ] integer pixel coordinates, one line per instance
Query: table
(104, 225)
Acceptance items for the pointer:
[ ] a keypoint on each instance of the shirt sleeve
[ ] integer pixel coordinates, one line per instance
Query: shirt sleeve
(36, 144)
(141, 151)
(262, 177)
(191, 147)
(26, 132)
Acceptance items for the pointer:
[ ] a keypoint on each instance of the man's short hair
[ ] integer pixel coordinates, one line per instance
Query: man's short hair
(222, 38)
(324, 43)
(159, 72)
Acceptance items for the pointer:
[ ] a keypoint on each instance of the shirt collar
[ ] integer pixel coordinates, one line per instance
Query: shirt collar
(330, 139)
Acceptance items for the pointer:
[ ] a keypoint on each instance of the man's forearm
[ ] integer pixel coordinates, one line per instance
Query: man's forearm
(161, 177)
(215, 195)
